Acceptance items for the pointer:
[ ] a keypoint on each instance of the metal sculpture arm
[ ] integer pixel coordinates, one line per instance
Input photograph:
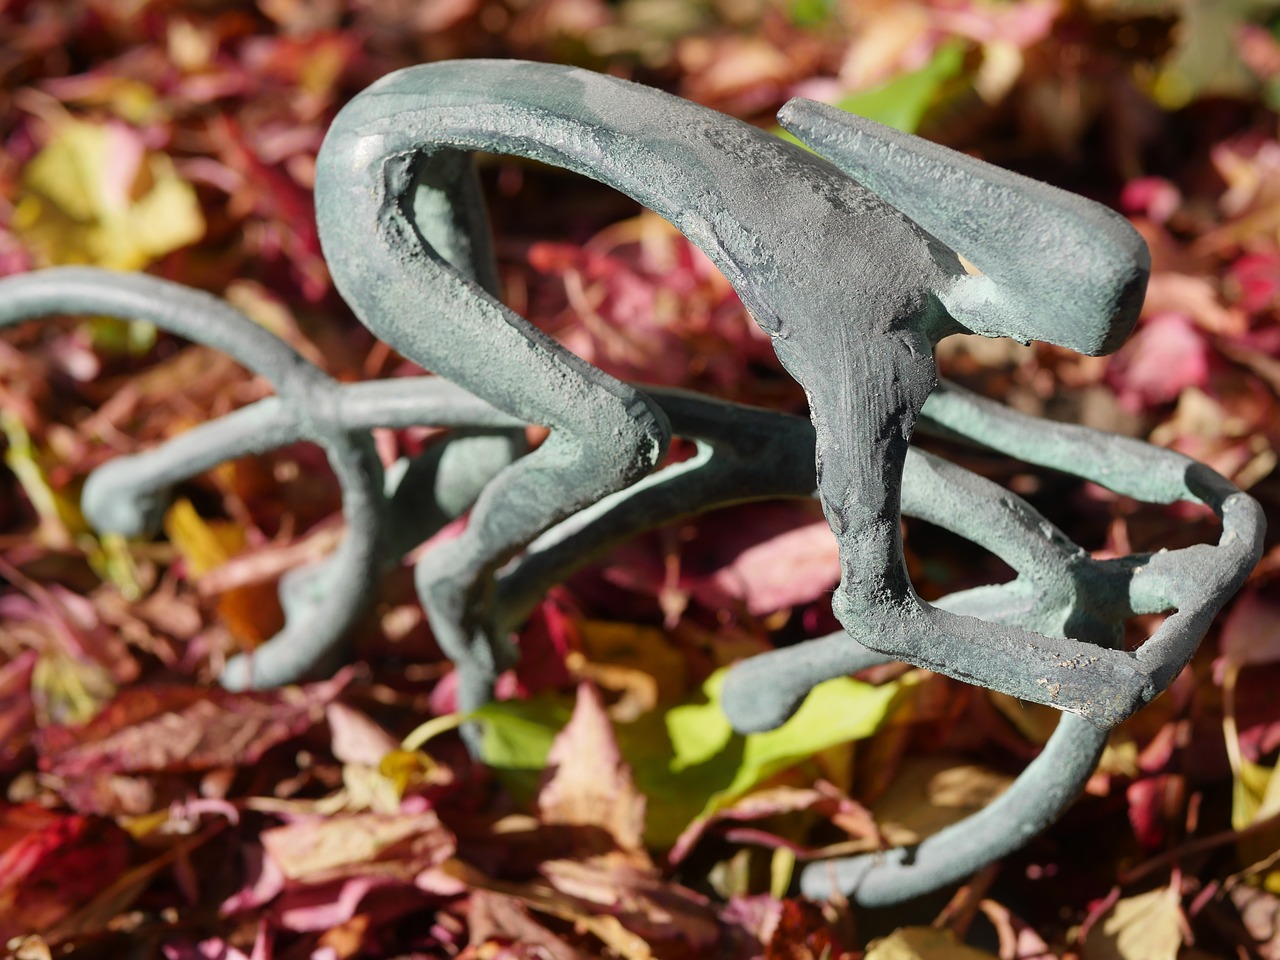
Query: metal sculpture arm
(853, 292)
(128, 495)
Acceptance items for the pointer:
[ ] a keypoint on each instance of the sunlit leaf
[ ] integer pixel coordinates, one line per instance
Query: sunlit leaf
(835, 712)
(923, 943)
(588, 783)
(252, 612)
(517, 738)
(96, 195)
(1143, 927)
(320, 848)
(903, 101)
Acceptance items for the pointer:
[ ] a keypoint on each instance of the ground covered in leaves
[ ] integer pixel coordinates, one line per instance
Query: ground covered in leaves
(146, 813)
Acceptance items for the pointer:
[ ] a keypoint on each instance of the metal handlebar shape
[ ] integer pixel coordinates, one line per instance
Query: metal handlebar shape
(855, 265)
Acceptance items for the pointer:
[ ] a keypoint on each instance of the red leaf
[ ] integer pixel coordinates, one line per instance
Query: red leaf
(1251, 630)
(1167, 355)
(1155, 805)
(17, 711)
(1255, 280)
(52, 864)
(183, 729)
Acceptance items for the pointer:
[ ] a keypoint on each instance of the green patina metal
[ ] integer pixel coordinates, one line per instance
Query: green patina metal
(852, 264)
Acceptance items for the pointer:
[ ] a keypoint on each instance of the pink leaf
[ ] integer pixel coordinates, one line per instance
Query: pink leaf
(1251, 630)
(588, 783)
(1167, 355)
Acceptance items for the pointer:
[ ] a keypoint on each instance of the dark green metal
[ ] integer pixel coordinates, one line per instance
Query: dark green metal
(853, 266)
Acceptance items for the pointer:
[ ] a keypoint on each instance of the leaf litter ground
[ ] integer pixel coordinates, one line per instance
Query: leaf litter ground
(147, 813)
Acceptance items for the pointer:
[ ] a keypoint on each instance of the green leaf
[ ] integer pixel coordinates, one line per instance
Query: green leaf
(517, 738)
(711, 766)
(903, 101)
(60, 517)
(688, 762)
(811, 13)
(836, 712)
(1206, 58)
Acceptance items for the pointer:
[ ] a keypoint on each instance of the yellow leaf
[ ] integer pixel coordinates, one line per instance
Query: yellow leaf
(1145, 927)
(251, 612)
(60, 518)
(646, 649)
(96, 195)
(70, 691)
(204, 545)
(307, 848)
(923, 943)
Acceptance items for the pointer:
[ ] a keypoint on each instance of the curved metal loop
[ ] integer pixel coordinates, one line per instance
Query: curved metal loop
(1059, 587)
(129, 494)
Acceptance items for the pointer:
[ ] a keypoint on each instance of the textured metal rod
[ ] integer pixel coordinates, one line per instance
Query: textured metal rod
(307, 393)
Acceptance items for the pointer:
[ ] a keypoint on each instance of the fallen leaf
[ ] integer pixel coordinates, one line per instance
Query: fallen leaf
(1260, 914)
(174, 729)
(835, 712)
(823, 800)
(356, 738)
(389, 845)
(931, 793)
(1250, 631)
(923, 943)
(588, 784)
(803, 933)
(1167, 355)
(903, 101)
(252, 612)
(1143, 927)
(50, 864)
(96, 195)
(17, 711)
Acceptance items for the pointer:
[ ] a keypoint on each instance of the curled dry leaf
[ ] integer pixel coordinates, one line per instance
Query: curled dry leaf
(588, 784)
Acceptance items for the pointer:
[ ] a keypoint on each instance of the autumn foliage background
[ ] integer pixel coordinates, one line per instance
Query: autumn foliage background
(147, 813)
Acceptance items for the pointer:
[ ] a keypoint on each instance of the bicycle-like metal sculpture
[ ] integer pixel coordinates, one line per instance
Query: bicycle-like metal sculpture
(856, 265)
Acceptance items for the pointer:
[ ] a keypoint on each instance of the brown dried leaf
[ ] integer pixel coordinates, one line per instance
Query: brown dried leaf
(588, 784)
(175, 729)
(1143, 927)
(400, 845)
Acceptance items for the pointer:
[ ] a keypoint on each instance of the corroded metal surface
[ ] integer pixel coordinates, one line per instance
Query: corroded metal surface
(852, 265)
